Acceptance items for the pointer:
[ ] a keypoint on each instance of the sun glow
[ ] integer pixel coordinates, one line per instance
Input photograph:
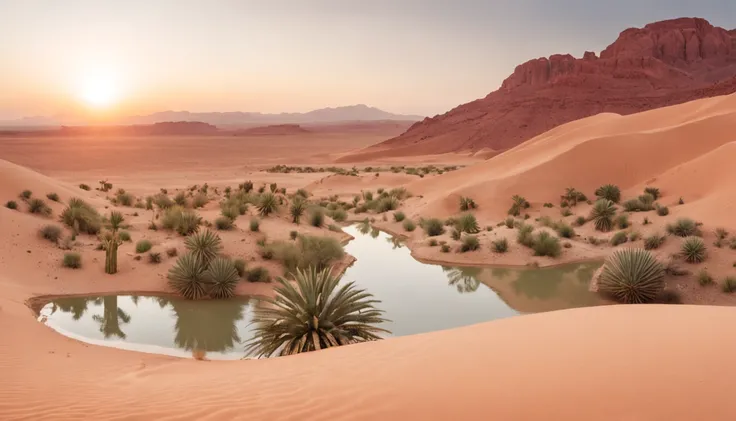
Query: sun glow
(99, 89)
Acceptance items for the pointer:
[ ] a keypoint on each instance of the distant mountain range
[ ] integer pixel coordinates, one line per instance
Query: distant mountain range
(236, 118)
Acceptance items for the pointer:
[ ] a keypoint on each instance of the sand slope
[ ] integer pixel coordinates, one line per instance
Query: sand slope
(680, 149)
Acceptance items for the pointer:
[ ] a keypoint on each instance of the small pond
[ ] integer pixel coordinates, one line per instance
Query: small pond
(416, 297)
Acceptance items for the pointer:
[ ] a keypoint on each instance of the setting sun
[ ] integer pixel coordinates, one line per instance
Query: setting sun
(99, 89)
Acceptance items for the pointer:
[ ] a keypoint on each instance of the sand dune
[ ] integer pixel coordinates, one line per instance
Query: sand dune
(630, 151)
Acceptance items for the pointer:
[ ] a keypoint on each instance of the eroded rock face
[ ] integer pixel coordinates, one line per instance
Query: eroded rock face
(664, 63)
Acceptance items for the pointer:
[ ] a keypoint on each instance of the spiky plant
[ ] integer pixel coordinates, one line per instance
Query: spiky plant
(433, 227)
(693, 250)
(313, 314)
(609, 192)
(602, 214)
(81, 217)
(683, 227)
(38, 206)
(268, 204)
(204, 246)
(297, 208)
(653, 191)
(632, 276)
(116, 221)
(186, 277)
(467, 223)
(273, 187)
(467, 204)
(223, 277)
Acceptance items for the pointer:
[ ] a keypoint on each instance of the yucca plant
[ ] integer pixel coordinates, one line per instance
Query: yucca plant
(652, 191)
(693, 250)
(683, 227)
(116, 221)
(297, 208)
(110, 243)
(632, 276)
(467, 223)
(204, 246)
(186, 277)
(81, 217)
(654, 241)
(268, 204)
(609, 192)
(602, 214)
(223, 277)
(313, 314)
(467, 204)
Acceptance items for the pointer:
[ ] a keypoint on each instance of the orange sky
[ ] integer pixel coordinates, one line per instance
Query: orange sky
(403, 56)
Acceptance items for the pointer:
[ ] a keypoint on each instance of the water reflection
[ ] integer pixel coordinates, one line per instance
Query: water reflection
(208, 326)
(464, 279)
(112, 317)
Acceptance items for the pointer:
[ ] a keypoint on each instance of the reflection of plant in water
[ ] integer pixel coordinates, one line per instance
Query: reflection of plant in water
(395, 242)
(135, 299)
(465, 279)
(77, 306)
(585, 272)
(207, 326)
(364, 227)
(500, 273)
(112, 315)
(375, 232)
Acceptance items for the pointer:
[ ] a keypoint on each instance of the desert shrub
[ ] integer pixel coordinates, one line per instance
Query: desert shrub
(595, 241)
(267, 204)
(565, 212)
(729, 284)
(455, 234)
(409, 225)
(619, 238)
(39, 207)
(255, 225)
(467, 223)
(432, 242)
(154, 257)
(525, 236)
(53, 197)
(546, 244)
(653, 191)
(433, 227)
(186, 277)
(663, 210)
(732, 244)
(399, 192)
(564, 230)
(399, 216)
(367, 195)
(609, 192)
(444, 248)
(693, 250)
(622, 221)
(518, 203)
(683, 227)
(11, 204)
(316, 217)
(72, 260)
(632, 276)
(308, 251)
(634, 236)
(199, 200)
(297, 208)
(222, 277)
(509, 222)
(171, 251)
(84, 187)
(334, 228)
(223, 223)
(26, 194)
(467, 204)
(704, 278)
(500, 246)
(125, 199)
(387, 204)
(469, 243)
(338, 215)
(124, 236)
(239, 265)
(602, 214)
(143, 246)
(163, 201)
(548, 205)
(51, 233)
(633, 205)
(81, 217)
(183, 221)
(449, 222)
(181, 199)
(653, 241)
(204, 246)
(721, 233)
(230, 212)
(258, 274)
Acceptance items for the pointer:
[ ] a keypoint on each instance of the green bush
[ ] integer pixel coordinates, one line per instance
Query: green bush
(467, 223)
(602, 214)
(143, 246)
(183, 221)
(199, 200)
(255, 225)
(467, 204)
(609, 192)
(297, 208)
(26, 194)
(230, 212)
(338, 215)
(154, 257)
(39, 207)
(181, 199)
(519, 203)
(663, 210)
(619, 238)
(432, 242)
(124, 236)
(72, 260)
(469, 243)
(53, 197)
(653, 191)
(125, 199)
(632, 276)
(307, 251)
(223, 223)
(729, 284)
(634, 236)
(399, 216)
(525, 235)
(11, 204)
(433, 227)
(693, 250)
(258, 274)
(455, 234)
(239, 265)
(222, 276)
(683, 227)
(267, 204)
(546, 244)
(653, 241)
(622, 221)
(564, 230)
(445, 248)
(51, 233)
(317, 217)
(509, 222)
(80, 216)
(500, 246)
(704, 278)
(409, 225)
(387, 204)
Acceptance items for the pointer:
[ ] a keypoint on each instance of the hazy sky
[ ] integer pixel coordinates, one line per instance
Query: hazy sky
(406, 56)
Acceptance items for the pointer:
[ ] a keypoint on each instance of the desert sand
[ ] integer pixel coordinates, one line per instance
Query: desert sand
(614, 362)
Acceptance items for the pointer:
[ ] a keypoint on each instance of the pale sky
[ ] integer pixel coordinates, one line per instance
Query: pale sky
(403, 56)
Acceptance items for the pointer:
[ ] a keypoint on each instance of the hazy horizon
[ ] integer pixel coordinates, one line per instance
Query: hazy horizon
(105, 60)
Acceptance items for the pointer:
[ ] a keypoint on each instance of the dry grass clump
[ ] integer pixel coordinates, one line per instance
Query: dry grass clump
(39, 207)
(72, 260)
(81, 217)
(307, 251)
(51, 233)
(683, 227)
(183, 221)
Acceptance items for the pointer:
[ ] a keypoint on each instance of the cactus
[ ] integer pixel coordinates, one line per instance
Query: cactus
(111, 253)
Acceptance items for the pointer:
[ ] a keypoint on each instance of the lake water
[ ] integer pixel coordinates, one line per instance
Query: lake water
(416, 297)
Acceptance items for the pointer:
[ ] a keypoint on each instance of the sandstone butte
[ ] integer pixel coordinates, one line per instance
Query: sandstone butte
(665, 63)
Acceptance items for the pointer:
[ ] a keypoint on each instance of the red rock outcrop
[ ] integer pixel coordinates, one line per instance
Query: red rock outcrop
(664, 63)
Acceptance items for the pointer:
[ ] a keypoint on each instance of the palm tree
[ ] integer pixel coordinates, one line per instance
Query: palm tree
(312, 315)
(112, 315)
(207, 326)
(77, 306)
(465, 279)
